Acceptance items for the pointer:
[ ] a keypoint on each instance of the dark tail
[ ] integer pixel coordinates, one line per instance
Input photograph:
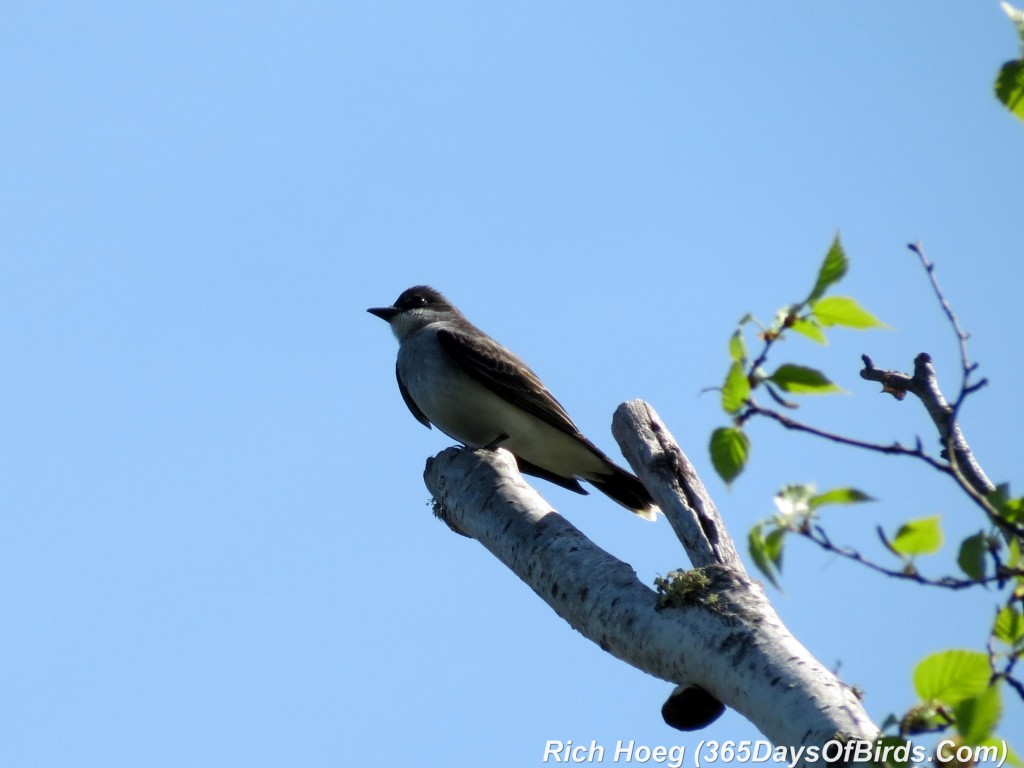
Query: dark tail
(626, 489)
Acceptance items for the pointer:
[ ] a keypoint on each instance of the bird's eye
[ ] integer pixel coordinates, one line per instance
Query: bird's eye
(412, 302)
(415, 299)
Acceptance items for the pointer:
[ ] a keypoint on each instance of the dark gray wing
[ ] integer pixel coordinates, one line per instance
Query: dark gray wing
(506, 375)
(421, 417)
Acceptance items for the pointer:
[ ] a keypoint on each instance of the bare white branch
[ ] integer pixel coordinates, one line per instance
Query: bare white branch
(721, 635)
(660, 463)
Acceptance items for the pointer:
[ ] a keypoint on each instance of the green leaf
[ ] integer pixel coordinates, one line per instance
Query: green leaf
(1009, 626)
(730, 448)
(1013, 557)
(952, 676)
(810, 329)
(918, 537)
(1009, 86)
(832, 270)
(839, 496)
(971, 558)
(736, 389)
(773, 546)
(801, 380)
(978, 716)
(737, 347)
(758, 545)
(842, 310)
(1014, 510)
(1011, 509)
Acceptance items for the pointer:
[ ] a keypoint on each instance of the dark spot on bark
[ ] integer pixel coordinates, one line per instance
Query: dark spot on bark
(583, 594)
(708, 526)
(554, 589)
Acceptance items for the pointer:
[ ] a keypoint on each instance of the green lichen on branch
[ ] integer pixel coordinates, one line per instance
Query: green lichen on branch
(682, 588)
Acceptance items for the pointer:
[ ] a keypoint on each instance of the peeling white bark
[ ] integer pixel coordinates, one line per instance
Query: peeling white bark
(726, 638)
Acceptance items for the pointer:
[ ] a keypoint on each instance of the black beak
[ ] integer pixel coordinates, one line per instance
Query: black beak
(384, 313)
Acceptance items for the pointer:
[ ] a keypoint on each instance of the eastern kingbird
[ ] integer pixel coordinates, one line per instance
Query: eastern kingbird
(454, 375)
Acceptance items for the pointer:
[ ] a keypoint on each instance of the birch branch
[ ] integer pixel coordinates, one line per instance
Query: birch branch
(720, 633)
(667, 473)
(924, 385)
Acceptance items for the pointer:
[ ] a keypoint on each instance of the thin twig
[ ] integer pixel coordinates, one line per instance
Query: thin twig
(961, 335)
(955, 471)
(818, 536)
(1016, 684)
(891, 449)
(1007, 673)
(951, 437)
(1013, 682)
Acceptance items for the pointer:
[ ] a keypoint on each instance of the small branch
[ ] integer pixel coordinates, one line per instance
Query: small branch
(818, 536)
(769, 340)
(950, 436)
(960, 462)
(924, 385)
(1013, 682)
(961, 335)
(1016, 684)
(990, 646)
(663, 468)
(893, 449)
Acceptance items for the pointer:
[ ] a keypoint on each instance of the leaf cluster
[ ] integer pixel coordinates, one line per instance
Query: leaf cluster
(730, 445)
(957, 689)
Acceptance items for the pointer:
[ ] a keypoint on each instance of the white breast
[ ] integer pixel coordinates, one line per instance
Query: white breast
(467, 411)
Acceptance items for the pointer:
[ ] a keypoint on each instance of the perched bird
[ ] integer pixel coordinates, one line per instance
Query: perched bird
(453, 375)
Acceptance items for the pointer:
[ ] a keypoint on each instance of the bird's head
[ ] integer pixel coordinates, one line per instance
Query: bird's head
(416, 308)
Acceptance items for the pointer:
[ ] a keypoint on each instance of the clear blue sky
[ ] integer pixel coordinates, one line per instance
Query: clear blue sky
(216, 546)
